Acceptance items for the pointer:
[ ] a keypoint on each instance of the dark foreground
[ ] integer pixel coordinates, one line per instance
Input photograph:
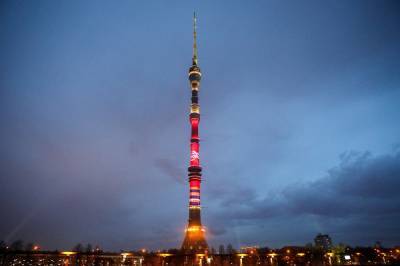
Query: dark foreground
(285, 256)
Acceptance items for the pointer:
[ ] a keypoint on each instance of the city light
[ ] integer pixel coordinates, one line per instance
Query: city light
(241, 257)
(164, 255)
(124, 255)
(68, 253)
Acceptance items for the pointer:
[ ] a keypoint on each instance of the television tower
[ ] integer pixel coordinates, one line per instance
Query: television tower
(195, 241)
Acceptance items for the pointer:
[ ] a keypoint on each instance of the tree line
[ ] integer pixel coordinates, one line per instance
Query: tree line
(20, 245)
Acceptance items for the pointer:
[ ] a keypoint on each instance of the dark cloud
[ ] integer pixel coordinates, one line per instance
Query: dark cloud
(359, 198)
(361, 185)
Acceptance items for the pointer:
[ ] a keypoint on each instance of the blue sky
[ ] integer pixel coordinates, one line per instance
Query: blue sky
(299, 129)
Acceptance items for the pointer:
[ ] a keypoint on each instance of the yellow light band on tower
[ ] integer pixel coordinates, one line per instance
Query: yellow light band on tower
(195, 108)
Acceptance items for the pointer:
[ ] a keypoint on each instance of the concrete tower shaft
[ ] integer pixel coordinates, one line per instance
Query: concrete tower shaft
(194, 241)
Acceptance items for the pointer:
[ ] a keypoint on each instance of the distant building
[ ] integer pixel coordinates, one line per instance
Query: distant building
(378, 244)
(249, 250)
(323, 241)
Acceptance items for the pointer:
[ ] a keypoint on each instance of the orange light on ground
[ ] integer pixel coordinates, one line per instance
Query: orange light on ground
(241, 256)
(301, 254)
(164, 255)
(124, 255)
(68, 253)
(272, 254)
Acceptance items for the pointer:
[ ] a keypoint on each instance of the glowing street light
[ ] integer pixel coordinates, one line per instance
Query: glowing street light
(241, 256)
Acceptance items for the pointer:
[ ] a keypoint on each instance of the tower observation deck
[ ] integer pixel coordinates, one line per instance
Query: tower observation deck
(195, 241)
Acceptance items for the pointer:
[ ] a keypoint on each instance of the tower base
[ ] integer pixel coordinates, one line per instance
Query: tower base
(195, 241)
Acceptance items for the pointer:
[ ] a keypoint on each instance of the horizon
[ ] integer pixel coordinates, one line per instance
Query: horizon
(299, 129)
(97, 248)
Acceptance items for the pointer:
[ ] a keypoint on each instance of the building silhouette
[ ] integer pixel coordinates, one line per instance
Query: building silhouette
(323, 241)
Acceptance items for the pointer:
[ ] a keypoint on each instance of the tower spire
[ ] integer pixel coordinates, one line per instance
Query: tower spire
(194, 40)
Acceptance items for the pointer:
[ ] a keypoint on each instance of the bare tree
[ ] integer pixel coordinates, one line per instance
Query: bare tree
(17, 245)
(213, 250)
(3, 245)
(221, 249)
(78, 248)
(229, 249)
(29, 246)
(89, 248)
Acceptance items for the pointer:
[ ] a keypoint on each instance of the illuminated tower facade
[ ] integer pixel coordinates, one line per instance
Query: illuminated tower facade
(195, 241)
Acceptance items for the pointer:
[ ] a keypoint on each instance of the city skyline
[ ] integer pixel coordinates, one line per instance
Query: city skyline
(300, 132)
